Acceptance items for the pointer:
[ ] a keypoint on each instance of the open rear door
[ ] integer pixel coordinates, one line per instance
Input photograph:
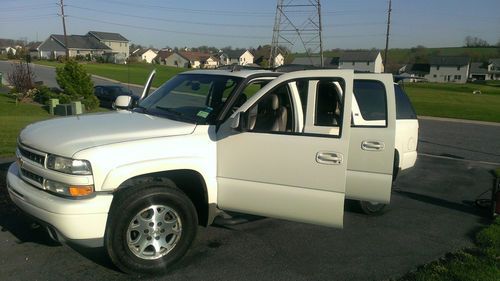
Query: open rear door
(369, 171)
(270, 165)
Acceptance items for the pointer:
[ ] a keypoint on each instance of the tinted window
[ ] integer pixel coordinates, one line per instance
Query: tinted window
(404, 109)
(370, 96)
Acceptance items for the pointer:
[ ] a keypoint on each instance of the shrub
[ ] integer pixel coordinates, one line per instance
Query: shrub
(76, 84)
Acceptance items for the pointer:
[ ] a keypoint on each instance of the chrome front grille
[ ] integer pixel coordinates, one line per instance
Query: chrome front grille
(35, 157)
(32, 176)
(28, 160)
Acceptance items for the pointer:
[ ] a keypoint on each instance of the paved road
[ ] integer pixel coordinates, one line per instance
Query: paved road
(48, 76)
(478, 142)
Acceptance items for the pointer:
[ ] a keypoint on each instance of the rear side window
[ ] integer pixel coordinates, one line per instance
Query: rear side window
(370, 96)
(404, 109)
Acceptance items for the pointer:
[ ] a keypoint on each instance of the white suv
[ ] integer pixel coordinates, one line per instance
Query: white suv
(140, 181)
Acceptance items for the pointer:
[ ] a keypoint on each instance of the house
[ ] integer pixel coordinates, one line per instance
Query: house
(8, 50)
(162, 56)
(78, 45)
(415, 72)
(363, 61)
(113, 46)
(145, 55)
(118, 44)
(494, 69)
(191, 60)
(328, 62)
(262, 60)
(479, 71)
(453, 69)
(240, 57)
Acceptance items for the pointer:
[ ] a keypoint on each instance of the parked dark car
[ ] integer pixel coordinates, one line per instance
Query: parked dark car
(108, 94)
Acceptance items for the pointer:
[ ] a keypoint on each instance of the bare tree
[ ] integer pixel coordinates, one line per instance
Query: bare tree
(21, 77)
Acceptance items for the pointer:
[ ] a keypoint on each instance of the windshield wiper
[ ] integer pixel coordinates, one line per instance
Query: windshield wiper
(177, 114)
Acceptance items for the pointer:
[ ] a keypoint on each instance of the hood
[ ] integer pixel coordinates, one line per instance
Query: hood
(68, 135)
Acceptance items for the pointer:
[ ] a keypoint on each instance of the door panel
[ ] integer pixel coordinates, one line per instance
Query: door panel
(371, 151)
(277, 174)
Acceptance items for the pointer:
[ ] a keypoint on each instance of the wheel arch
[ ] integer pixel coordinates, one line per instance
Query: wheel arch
(189, 181)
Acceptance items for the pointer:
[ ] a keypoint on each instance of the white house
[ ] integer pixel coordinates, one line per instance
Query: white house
(449, 69)
(7, 50)
(191, 60)
(364, 61)
(241, 57)
(145, 55)
(279, 60)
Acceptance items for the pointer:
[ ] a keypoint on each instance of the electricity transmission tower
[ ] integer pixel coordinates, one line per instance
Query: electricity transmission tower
(297, 26)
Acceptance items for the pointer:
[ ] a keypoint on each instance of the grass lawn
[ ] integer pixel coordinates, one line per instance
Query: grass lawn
(13, 118)
(482, 263)
(456, 100)
(135, 73)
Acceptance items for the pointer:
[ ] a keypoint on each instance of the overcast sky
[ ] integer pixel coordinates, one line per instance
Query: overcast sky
(220, 23)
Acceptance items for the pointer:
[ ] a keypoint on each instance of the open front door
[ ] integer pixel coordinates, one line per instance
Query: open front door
(271, 165)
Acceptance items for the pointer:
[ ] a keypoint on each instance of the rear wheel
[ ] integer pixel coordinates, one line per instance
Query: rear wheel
(150, 228)
(372, 208)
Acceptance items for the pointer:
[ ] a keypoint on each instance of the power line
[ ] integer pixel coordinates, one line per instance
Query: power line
(150, 28)
(169, 20)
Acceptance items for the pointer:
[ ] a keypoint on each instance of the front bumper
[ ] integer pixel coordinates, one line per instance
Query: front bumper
(81, 221)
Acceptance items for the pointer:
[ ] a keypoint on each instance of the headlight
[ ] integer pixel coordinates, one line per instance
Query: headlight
(69, 166)
(68, 190)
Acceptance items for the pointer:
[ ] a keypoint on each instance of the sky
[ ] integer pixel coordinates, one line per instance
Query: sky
(352, 24)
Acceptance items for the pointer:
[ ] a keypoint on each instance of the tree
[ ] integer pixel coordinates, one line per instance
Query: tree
(21, 77)
(475, 42)
(76, 83)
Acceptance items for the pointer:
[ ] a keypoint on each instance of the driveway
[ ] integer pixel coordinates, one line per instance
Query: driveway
(432, 212)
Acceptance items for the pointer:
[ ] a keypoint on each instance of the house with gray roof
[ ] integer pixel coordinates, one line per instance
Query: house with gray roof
(240, 57)
(328, 62)
(115, 41)
(110, 45)
(485, 71)
(449, 69)
(362, 61)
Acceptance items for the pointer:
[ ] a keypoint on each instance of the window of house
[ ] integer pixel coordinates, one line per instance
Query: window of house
(367, 63)
(434, 75)
(437, 67)
(458, 77)
(458, 67)
(353, 63)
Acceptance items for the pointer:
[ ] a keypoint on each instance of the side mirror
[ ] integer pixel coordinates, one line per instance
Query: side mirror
(239, 122)
(122, 102)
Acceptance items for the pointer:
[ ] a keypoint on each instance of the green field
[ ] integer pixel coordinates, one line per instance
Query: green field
(135, 73)
(14, 117)
(456, 100)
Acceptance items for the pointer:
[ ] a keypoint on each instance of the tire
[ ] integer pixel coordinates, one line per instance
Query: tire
(150, 227)
(372, 208)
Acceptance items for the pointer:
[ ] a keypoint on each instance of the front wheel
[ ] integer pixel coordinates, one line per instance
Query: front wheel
(150, 228)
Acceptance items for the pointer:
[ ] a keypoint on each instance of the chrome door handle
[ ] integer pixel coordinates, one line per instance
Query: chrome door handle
(372, 145)
(329, 158)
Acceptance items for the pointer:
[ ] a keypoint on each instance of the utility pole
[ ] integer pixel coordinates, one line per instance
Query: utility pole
(64, 28)
(387, 34)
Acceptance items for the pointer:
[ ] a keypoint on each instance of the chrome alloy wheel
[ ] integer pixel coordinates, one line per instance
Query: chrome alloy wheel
(154, 232)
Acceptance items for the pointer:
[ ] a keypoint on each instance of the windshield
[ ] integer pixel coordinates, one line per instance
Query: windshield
(194, 98)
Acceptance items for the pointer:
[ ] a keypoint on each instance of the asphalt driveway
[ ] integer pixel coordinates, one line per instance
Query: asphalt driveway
(432, 212)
